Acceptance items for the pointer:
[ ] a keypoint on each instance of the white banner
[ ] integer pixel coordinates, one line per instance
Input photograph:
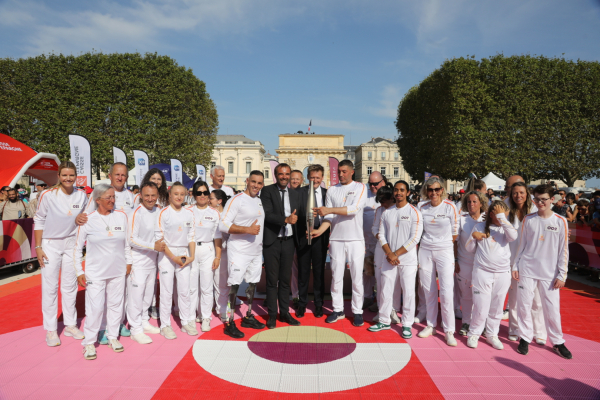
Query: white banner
(141, 165)
(176, 171)
(81, 156)
(200, 173)
(119, 155)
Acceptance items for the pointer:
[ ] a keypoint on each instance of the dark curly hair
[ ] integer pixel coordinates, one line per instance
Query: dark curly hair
(163, 193)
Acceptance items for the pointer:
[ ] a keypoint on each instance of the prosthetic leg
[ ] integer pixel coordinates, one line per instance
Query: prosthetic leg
(230, 328)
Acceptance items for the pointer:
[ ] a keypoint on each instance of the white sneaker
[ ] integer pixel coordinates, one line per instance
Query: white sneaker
(205, 324)
(73, 332)
(394, 317)
(151, 329)
(450, 340)
(89, 352)
(513, 338)
(141, 338)
(115, 345)
(495, 342)
(168, 332)
(458, 314)
(541, 342)
(154, 312)
(505, 315)
(190, 328)
(376, 318)
(428, 331)
(420, 318)
(198, 319)
(52, 339)
(472, 341)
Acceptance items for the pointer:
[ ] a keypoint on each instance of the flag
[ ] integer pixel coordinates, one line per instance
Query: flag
(427, 175)
(119, 155)
(200, 173)
(309, 125)
(333, 171)
(141, 165)
(273, 164)
(81, 154)
(176, 171)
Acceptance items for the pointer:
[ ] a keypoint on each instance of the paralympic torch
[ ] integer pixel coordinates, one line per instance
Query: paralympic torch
(310, 204)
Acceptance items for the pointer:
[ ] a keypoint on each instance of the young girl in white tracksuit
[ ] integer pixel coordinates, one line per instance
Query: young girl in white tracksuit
(474, 206)
(55, 230)
(175, 226)
(436, 254)
(208, 255)
(218, 199)
(491, 273)
(107, 262)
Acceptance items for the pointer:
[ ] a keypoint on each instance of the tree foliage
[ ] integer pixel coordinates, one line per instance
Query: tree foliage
(533, 116)
(130, 101)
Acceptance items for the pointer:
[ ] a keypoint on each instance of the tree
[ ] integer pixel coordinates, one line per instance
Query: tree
(130, 101)
(533, 116)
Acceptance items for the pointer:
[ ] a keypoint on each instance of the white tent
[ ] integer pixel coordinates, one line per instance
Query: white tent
(493, 182)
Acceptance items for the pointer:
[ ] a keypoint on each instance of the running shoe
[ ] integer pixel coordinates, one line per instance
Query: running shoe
(541, 342)
(73, 332)
(505, 315)
(464, 329)
(428, 331)
(495, 342)
(205, 325)
(513, 338)
(378, 327)
(168, 332)
(420, 318)
(251, 322)
(115, 345)
(151, 329)
(562, 351)
(406, 332)
(141, 338)
(102, 339)
(358, 320)
(89, 352)
(232, 330)
(394, 317)
(472, 341)
(52, 339)
(123, 331)
(450, 340)
(335, 316)
(523, 347)
(154, 312)
(190, 328)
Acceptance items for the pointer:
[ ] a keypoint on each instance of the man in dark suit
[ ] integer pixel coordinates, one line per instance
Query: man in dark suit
(313, 255)
(279, 243)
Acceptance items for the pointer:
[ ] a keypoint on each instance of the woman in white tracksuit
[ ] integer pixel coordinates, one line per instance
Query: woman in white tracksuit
(474, 206)
(208, 255)
(436, 254)
(217, 200)
(107, 263)
(54, 232)
(175, 226)
(491, 273)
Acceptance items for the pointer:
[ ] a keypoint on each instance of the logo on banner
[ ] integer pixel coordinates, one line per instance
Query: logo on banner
(176, 168)
(81, 180)
(141, 161)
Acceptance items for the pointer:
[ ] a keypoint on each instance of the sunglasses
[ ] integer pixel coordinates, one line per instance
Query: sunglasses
(375, 183)
(202, 193)
(540, 200)
(431, 190)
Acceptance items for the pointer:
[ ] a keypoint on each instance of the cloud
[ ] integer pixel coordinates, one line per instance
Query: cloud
(388, 105)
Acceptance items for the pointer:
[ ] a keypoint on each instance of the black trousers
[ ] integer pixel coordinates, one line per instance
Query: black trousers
(278, 270)
(312, 256)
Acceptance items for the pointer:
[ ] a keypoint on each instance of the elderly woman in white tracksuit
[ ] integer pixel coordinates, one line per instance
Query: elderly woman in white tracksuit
(474, 206)
(54, 232)
(217, 200)
(208, 255)
(491, 273)
(175, 226)
(107, 262)
(436, 254)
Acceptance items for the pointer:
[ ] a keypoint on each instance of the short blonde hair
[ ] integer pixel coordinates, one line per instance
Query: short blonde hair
(431, 181)
(482, 200)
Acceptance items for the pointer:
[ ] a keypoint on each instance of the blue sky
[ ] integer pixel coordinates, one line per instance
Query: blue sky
(273, 65)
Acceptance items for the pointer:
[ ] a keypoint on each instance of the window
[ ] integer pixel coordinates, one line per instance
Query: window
(383, 171)
(396, 156)
(212, 164)
(230, 167)
(369, 170)
(266, 174)
(383, 155)
(369, 155)
(248, 167)
(396, 172)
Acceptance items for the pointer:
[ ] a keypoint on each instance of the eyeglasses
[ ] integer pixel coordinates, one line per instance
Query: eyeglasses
(202, 193)
(375, 183)
(540, 200)
(108, 198)
(437, 190)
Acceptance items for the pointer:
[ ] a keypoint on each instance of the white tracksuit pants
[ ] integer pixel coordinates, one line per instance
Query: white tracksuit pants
(60, 262)
(397, 293)
(103, 294)
(422, 308)
(489, 292)
(294, 281)
(140, 290)
(550, 299)
(456, 297)
(354, 251)
(537, 314)
(221, 290)
(390, 275)
(442, 262)
(464, 280)
(168, 270)
(202, 281)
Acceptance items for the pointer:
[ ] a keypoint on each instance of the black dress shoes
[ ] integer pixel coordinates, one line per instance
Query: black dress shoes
(287, 318)
(318, 311)
(272, 322)
(300, 311)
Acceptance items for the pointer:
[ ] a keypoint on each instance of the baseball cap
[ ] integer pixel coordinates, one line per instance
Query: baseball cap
(556, 198)
(461, 191)
(40, 182)
(88, 190)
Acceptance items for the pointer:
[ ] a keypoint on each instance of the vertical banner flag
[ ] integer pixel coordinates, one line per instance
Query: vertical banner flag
(309, 125)
(333, 171)
(119, 155)
(273, 164)
(141, 165)
(200, 173)
(81, 156)
(176, 171)
(427, 176)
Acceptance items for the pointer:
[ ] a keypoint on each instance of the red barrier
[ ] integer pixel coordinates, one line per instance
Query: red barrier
(584, 245)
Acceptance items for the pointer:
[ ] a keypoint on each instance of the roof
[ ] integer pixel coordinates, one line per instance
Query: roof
(379, 139)
(234, 138)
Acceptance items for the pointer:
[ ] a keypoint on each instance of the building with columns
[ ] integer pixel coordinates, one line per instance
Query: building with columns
(379, 154)
(238, 155)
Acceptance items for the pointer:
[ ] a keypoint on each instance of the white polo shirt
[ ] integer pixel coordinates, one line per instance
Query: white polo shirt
(353, 196)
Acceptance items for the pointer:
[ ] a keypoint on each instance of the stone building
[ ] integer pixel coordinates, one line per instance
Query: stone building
(379, 154)
(238, 155)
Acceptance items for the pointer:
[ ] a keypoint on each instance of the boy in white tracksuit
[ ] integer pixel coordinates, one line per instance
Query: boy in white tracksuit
(542, 262)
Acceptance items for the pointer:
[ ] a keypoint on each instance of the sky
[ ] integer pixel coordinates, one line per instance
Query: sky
(271, 66)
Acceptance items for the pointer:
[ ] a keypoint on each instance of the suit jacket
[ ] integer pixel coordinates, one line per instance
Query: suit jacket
(274, 216)
(301, 224)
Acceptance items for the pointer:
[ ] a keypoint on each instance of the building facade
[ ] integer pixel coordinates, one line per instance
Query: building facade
(238, 155)
(382, 155)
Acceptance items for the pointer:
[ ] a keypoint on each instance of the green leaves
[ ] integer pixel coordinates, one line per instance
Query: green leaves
(125, 100)
(533, 116)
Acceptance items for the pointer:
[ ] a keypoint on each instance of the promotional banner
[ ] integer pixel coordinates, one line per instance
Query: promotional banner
(427, 176)
(119, 155)
(273, 165)
(141, 165)
(176, 171)
(200, 173)
(81, 156)
(333, 171)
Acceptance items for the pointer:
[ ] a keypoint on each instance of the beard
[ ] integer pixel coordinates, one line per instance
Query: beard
(13, 200)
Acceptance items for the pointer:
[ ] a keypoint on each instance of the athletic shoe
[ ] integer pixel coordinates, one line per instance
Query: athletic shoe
(523, 347)
(562, 351)
(505, 315)
(154, 312)
(458, 314)
(428, 331)
(358, 320)
(251, 322)
(102, 339)
(472, 341)
(73, 332)
(335, 317)
(141, 338)
(89, 352)
(394, 317)
(464, 329)
(513, 338)
(205, 325)
(123, 331)
(198, 319)
(450, 340)
(190, 328)
(376, 318)
(115, 345)
(233, 331)
(406, 332)
(168, 332)
(151, 329)
(541, 342)
(378, 327)
(52, 339)
(495, 342)
(421, 318)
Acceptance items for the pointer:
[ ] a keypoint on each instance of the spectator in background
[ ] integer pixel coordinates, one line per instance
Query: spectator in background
(4, 194)
(582, 215)
(14, 208)
(135, 189)
(296, 179)
(596, 213)
(559, 205)
(39, 187)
